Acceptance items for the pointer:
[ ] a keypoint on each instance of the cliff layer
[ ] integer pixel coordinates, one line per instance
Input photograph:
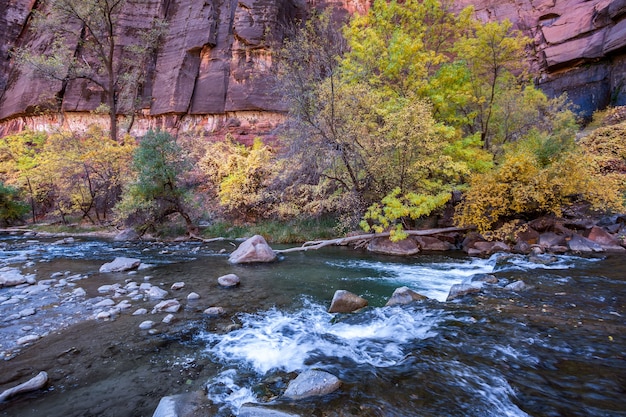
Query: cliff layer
(209, 67)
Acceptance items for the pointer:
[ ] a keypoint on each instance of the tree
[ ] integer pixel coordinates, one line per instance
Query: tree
(19, 160)
(158, 190)
(537, 175)
(94, 26)
(11, 208)
(240, 175)
(89, 171)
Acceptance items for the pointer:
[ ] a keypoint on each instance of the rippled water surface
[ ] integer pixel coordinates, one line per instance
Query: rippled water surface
(555, 349)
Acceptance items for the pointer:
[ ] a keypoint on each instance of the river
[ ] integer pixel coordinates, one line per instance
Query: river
(556, 348)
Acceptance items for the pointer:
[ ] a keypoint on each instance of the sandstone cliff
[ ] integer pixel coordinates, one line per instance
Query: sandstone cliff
(208, 70)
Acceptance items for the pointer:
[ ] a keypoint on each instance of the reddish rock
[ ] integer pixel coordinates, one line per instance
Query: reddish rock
(253, 250)
(605, 239)
(385, 246)
(213, 60)
(346, 302)
(429, 243)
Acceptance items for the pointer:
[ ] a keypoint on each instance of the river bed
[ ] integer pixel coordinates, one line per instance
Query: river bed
(556, 348)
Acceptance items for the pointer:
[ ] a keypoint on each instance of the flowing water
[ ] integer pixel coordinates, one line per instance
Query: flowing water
(555, 349)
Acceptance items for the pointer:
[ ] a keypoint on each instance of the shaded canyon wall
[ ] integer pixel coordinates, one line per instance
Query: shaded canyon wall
(209, 73)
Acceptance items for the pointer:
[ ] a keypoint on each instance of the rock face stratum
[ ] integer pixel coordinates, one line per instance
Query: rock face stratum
(210, 69)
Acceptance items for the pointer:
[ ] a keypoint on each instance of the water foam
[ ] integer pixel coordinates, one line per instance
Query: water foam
(275, 340)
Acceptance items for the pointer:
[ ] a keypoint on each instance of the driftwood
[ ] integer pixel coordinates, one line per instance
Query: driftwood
(32, 384)
(318, 244)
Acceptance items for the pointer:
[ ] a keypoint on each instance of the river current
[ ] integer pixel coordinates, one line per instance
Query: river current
(556, 348)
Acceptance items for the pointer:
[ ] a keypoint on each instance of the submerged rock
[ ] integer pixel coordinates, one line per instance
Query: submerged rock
(459, 290)
(120, 264)
(167, 306)
(228, 281)
(312, 383)
(346, 302)
(254, 410)
(404, 295)
(517, 286)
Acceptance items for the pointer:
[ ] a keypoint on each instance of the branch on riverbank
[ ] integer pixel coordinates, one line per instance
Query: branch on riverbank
(318, 244)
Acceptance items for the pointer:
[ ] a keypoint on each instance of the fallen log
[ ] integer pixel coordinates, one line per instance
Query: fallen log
(32, 384)
(318, 244)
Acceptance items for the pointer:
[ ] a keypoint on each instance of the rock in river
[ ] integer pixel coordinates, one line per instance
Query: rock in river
(229, 280)
(120, 264)
(404, 295)
(312, 383)
(346, 302)
(253, 250)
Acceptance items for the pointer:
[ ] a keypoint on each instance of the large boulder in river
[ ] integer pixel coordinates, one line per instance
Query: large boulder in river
(127, 235)
(404, 295)
(385, 246)
(346, 302)
(430, 243)
(253, 250)
(312, 383)
(120, 264)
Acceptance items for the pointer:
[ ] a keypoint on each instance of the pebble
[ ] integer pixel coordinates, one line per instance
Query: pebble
(27, 312)
(107, 302)
(193, 296)
(168, 319)
(140, 311)
(156, 293)
(215, 311)
(167, 306)
(79, 292)
(178, 285)
(145, 325)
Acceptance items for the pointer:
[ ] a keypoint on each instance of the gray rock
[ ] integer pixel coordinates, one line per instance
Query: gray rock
(404, 295)
(230, 280)
(581, 244)
(517, 286)
(253, 250)
(167, 306)
(156, 293)
(215, 311)
(126, 235)
(180, 405)
(140, 312)
(312, 383)
(253, 410)
(120, 264)
(487, 278)
(346, 302)
(28, 339)
(145, 325)
(193, 296)
(10, 277)
(177, 286)
(459, 290)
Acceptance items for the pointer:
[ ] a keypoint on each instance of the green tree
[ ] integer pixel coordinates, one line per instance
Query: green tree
(20, 156)
(159, 189)
(11, 208)
(100, 58)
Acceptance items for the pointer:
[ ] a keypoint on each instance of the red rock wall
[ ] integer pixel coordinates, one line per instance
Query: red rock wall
(209, 67)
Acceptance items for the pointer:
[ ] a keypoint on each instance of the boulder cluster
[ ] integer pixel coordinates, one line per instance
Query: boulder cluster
(548, 234)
